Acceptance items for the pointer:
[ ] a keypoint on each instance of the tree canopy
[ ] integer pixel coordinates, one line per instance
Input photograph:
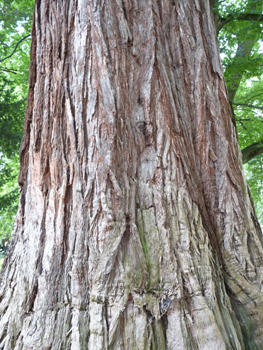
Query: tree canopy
(15, 28)
(240, 35)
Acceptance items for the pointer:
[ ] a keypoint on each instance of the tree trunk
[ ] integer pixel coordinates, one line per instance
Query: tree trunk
(135, 227)
(234, 76)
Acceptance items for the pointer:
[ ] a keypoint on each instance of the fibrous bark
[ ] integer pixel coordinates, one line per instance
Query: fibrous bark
(135, 229)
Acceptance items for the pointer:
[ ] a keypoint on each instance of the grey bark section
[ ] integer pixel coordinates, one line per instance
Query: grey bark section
(135, 229)
(244, 50)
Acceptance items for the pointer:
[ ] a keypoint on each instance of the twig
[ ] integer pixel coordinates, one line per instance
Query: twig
(14, 71)
(3, 59)
(246, 105)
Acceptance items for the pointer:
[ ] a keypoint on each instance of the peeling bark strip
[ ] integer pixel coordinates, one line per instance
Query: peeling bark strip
(135, 229)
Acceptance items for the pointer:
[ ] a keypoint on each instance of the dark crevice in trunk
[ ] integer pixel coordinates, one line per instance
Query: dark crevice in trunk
(31, 297)
(244, 322)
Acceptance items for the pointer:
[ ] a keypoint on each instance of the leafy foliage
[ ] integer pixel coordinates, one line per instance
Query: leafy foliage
(9, 195)
(15, 27)
(15, 24)
(241, 47)
(254, 171)
(249, 120)
(12, 109)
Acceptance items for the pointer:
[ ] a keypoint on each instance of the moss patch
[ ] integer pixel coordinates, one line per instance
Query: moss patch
(140, 227)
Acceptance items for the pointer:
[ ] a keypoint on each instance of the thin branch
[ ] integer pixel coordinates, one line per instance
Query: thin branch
(14, 71)
(3, 59)
(247, 120)
(261, 93)
(246, 105)
(243, 126)
(239, 17)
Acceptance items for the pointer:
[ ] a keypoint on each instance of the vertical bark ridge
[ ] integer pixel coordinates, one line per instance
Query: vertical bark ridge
(135, 228)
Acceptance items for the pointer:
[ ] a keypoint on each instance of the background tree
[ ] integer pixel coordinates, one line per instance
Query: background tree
(15, 28)
(240, 25)
(135, 227)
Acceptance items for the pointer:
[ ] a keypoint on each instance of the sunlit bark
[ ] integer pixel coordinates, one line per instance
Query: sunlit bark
(135, 229)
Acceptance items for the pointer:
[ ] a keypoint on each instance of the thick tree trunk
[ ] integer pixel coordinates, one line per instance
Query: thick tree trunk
(135, 228)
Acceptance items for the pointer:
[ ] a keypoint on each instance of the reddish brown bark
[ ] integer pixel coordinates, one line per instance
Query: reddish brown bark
(135, 229)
